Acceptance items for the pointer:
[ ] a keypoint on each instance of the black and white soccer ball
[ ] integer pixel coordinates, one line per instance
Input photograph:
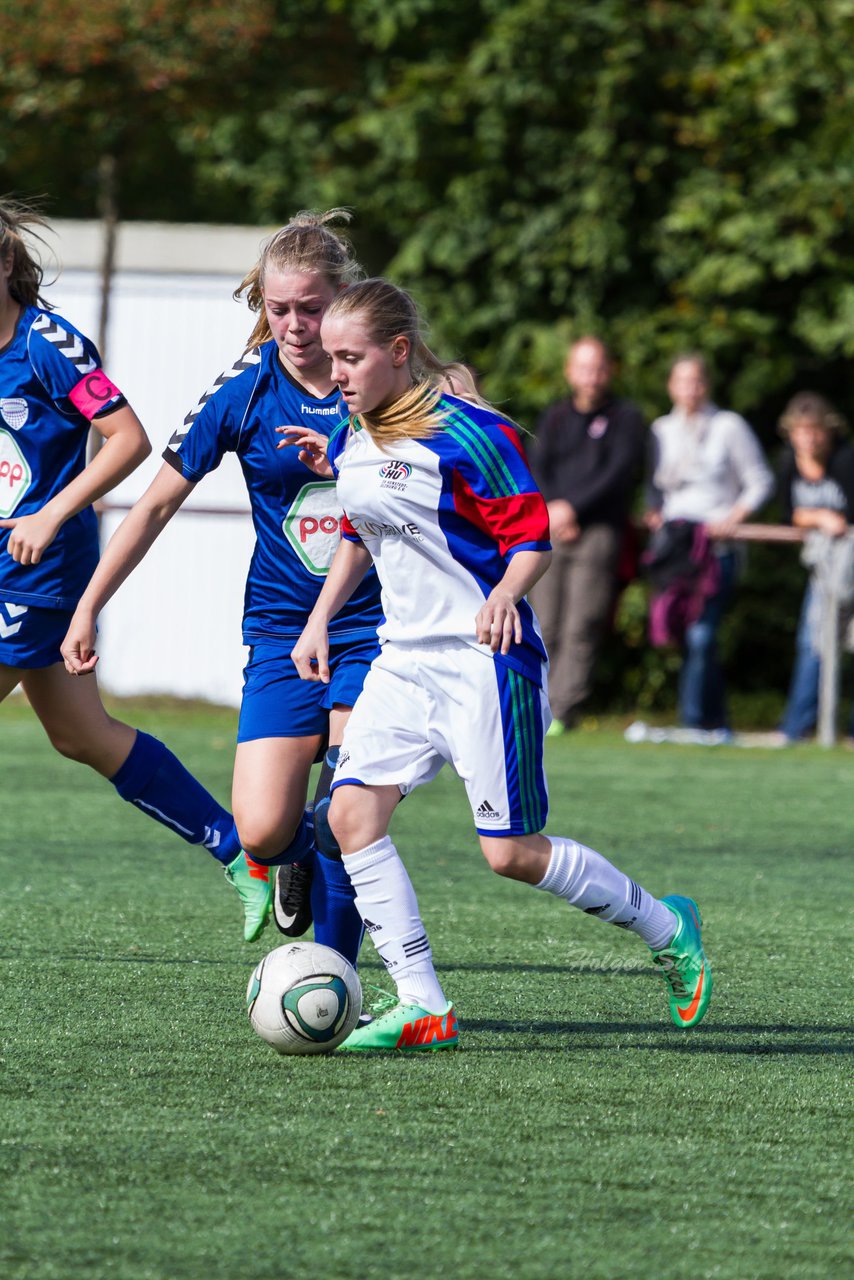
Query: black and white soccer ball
(304, 998)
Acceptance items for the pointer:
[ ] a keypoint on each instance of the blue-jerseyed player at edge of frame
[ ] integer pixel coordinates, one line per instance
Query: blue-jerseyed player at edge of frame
(437, 494)
(52, 390)
(284, 725)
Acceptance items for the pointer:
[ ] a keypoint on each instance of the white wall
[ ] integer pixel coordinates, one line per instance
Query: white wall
(174, 627)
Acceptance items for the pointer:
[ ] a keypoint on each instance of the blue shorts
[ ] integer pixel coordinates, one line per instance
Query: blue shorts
(29, 636)
(277, 704)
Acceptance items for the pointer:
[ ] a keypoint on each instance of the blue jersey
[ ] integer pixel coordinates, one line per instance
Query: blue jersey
(51, 387)
(442, 517)
(297, 517)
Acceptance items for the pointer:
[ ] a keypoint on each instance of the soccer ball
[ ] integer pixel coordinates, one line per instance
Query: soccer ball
(304, 998)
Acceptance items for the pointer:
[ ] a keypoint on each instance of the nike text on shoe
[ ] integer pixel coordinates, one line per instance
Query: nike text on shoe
(292, 898)
(254, 888)
(407, 1028)
(683, 965)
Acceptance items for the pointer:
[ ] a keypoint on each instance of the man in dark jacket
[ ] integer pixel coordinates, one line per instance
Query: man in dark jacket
(586, 459)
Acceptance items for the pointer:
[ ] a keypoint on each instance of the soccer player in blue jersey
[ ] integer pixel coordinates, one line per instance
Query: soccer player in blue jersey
(52, 388)
(283, 378)
(437, 494)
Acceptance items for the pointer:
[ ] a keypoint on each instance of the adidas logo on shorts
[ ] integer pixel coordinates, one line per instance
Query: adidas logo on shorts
(371, 927)
(486, 811)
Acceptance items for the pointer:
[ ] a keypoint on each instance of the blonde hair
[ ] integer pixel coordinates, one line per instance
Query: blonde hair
(25, 281)
(809, 404)
(388, 313)
(306, 243)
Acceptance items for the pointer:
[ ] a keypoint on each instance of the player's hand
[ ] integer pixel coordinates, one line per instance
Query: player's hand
(78, 647)
(312, 448)
(310, 654)
(498, 623)
(30, 536)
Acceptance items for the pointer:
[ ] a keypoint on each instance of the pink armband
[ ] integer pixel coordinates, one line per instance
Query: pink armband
(94, 393)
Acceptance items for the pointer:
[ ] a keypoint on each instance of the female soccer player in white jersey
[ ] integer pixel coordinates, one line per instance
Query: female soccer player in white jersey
(283, 377)
(437, 494)
(52, 387)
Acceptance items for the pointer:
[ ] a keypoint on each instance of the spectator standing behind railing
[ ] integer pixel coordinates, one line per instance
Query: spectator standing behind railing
(586, 459)
(816, 479)
(706, 466)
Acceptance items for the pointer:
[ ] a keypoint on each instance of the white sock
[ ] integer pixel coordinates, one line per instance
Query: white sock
(385, 899)
(589, 881)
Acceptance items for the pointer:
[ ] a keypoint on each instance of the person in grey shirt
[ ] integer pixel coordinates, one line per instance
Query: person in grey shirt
(706, 466)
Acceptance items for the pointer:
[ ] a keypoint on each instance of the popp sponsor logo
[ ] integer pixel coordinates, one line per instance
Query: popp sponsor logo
(309, 525)
(15, 474)
(313, 526)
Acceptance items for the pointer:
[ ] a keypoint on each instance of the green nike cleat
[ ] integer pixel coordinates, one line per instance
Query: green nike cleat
(254, 887)
(683, 965)
(405, 1027)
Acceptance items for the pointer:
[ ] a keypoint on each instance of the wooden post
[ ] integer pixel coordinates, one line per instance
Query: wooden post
(108, 209)
(828, 691)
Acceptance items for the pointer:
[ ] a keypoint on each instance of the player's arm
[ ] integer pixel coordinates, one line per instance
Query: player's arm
(349, 565)
(127, 547)
(498, 623)
(502, 500)
(125, 446)
(825, 519)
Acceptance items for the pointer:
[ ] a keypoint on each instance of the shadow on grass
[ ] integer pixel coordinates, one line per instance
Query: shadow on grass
(606, 966)
(94, 957)
(707, 1039)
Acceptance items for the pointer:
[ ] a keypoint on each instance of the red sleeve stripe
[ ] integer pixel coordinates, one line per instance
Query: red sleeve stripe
(509, 520)
(347, 530)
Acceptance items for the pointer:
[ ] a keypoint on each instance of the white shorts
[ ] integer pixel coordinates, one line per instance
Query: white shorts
(423, 706)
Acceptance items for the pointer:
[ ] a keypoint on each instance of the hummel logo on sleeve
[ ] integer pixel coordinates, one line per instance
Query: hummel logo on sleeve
(486, 811)
(245, 362)
(68, 343)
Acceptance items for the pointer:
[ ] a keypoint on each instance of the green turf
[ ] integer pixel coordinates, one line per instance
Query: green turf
(147, 1134)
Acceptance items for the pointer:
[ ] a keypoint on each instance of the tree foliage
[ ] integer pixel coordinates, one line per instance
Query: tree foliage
(678, 173)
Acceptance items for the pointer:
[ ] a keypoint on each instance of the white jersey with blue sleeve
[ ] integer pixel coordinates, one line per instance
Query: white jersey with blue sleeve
(51, 387)
(297, 518)
(441, 518)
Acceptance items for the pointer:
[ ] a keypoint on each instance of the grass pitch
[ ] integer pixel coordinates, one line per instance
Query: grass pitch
(147, 1134)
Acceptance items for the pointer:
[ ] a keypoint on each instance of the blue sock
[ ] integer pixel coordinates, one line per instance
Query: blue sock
(154, 780)
(337, 923)
(326, 841)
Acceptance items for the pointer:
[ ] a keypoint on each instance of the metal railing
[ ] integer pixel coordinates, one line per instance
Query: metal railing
(831, 608)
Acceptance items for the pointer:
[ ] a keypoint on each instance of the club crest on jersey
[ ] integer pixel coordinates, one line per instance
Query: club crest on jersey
(313, 526)
(394, 474)
(15, 411)
(15, 474)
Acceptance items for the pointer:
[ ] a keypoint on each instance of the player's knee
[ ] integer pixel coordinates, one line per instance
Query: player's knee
(69, 744)
(260, 841)
(507, 858)
(345, 820)
(323, 833)
(499, 854)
